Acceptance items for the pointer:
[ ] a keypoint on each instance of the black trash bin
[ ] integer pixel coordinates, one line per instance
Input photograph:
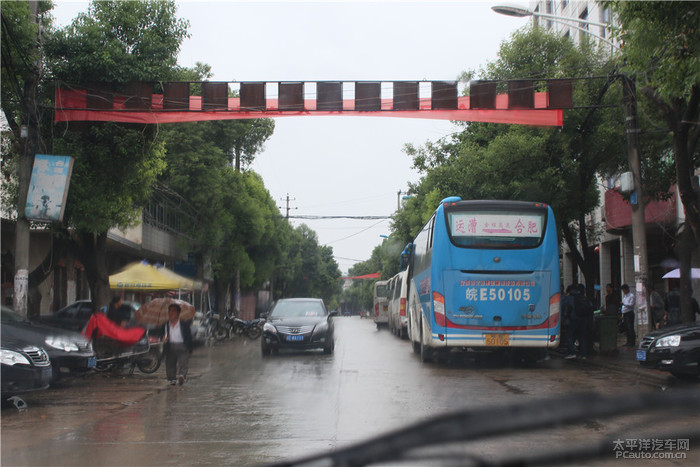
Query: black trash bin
(608, 334)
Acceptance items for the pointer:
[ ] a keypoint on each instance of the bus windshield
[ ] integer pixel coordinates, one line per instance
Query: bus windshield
(500, 229)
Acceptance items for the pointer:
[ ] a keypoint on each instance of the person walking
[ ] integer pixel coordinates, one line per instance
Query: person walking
(177, 346)
(612, 301)
(117, 312)
(673, 307)
(577, 308)
(656, 303)
(628, 315)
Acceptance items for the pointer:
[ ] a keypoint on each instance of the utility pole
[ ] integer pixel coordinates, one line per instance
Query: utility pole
(639, 234)
(288, 208)
(29, 143)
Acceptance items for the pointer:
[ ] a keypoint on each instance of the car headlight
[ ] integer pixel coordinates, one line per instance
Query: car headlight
(668, 341)
(267, 327)
(10, 357)
(62, 343)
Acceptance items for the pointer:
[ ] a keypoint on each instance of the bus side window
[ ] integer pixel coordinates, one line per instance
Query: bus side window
(431, 231)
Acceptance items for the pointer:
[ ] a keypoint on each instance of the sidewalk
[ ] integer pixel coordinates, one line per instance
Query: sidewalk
(623, 359)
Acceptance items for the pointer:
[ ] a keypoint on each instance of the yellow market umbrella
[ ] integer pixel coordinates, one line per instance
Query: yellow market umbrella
(142, 277)
(185, 282)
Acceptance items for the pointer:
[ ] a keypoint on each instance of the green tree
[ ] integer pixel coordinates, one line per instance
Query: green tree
(115, 164)
(236, 228)
(661, 51)
(315, 273)
(386, 259)
(557, 166)
(20, 54)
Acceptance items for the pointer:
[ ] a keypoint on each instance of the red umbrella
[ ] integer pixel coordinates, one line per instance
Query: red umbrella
(155, 312)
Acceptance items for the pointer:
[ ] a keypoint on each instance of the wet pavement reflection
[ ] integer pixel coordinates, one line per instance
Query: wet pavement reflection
(239, 408)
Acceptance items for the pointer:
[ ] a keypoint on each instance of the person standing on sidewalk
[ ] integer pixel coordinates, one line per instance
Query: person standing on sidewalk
(656, 303)
(612, 301)
(577, 308)
(628, 315)
(177, 346)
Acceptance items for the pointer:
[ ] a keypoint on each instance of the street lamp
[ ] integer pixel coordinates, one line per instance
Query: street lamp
(521, 12)
(639, 236)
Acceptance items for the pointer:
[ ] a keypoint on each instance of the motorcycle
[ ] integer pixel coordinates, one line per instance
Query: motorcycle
(146, 355)
(118, 348)
(230, 326)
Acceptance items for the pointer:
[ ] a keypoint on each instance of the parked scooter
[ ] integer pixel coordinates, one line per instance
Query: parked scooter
(118, 348)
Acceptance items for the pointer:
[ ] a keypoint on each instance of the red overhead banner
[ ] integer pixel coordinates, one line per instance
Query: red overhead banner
(376, 275)
(72, 105)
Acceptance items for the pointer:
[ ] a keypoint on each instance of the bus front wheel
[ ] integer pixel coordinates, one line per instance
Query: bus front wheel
(426, 353)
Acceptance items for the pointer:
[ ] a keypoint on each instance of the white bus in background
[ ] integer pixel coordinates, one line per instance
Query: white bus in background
(381, 303)
(398, 294)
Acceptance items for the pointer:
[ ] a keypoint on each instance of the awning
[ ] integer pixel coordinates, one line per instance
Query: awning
(143, 276)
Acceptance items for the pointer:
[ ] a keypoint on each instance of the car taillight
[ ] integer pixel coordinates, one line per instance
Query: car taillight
(402, 307)
(439, 309)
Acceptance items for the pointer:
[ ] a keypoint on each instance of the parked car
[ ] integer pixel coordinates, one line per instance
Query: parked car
(298, 323)
(25, 366)
(75, 316)
(675, 349)
(69, 352)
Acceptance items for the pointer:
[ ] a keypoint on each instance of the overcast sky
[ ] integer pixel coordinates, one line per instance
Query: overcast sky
(339, 166)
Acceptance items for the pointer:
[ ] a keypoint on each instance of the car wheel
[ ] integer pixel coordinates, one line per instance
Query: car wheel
(266, 351)
(329, 348)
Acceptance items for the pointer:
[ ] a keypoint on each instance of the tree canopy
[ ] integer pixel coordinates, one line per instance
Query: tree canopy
(557, 166)
(660, 51)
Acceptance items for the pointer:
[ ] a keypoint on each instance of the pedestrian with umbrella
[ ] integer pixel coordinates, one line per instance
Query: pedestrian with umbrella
(177, 346)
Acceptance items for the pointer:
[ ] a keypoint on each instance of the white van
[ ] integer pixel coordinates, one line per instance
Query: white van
(381, 303)
(398, 290)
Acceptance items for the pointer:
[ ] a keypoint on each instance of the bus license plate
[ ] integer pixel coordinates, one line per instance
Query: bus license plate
(497, 340)
(295, 338)
(641, 355)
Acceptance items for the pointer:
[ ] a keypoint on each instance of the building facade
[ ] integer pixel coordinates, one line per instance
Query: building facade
(614, 248)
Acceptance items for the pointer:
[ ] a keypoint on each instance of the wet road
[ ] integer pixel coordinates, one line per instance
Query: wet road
(241, 409)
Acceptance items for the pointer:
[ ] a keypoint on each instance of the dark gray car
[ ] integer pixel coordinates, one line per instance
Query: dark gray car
(70, 352)
(298, 323)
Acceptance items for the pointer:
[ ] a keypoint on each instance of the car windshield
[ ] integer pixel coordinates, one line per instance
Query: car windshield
(297, 309)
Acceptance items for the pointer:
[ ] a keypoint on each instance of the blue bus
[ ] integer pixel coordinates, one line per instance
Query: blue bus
(484, 275)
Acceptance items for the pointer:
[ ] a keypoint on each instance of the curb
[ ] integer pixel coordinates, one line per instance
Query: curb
(618, 362)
